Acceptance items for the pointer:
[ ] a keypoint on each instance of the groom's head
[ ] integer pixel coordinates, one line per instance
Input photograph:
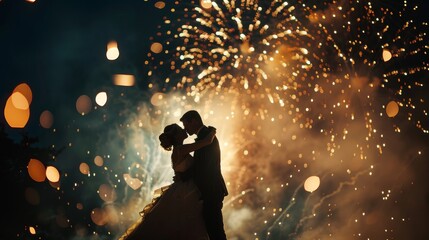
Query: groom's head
(191, 121)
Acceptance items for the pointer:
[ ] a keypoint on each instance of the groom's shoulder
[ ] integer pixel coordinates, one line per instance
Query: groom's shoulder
(211, 128)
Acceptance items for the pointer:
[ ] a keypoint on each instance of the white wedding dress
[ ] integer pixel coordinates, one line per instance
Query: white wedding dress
(175, 214)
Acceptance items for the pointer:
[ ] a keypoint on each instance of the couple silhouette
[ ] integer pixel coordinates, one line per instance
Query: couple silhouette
(191, 207)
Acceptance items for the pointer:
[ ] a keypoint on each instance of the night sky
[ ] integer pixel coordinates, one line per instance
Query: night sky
(373, 169)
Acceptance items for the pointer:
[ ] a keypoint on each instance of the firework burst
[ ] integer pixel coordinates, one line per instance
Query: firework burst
(293, 54)
(320, 106)
(323, 77)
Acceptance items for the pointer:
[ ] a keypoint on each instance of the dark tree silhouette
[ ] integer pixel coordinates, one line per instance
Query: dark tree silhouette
(19, 212)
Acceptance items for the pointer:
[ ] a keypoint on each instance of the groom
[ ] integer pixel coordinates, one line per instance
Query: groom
(206, 172)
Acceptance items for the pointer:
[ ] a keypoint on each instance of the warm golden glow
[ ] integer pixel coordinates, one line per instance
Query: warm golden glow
(296, 91)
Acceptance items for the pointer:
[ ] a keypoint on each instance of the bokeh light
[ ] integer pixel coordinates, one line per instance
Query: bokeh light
(133, 183)
(46, 119)
(312, 183)
(19, 101)
(112, 52)
(392, 109)
(36, 170)
(99, 161)
(160, 4)
(207, 4)
(156, 47)
(107, 193)
(387, 55)
(52, 174)
(17, 108)
(83, 104)
(157, 99)
(101, 98)
(25, 90)
(84, 168)
(126, 80)
(98, 216)
(16, 118)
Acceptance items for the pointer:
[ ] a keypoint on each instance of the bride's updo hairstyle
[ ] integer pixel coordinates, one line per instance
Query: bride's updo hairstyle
(168, 137)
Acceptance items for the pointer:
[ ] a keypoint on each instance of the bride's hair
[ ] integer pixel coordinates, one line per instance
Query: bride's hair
(168, 137)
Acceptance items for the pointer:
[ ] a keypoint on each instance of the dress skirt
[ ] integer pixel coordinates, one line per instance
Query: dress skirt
(176, 214)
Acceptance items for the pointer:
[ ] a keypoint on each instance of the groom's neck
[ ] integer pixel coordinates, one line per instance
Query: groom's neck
(199, 129)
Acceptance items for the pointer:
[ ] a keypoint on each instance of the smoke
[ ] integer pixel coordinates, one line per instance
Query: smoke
(266, 157)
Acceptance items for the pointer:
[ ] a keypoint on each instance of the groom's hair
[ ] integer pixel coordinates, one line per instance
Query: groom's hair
(191, 115)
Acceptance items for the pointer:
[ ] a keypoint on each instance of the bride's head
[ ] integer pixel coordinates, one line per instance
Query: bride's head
(172, 135)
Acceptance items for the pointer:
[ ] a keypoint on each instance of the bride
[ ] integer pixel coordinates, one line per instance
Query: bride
(177, 213)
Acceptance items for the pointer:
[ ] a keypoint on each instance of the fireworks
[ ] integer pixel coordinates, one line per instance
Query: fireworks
(295, 54)
(311, 100)
(311, 87)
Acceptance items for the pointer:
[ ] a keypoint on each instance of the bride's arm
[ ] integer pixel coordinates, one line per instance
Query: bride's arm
(181, 160)
(190, 147)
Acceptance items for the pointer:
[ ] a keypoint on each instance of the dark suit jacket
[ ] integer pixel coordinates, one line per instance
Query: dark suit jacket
(206, 169)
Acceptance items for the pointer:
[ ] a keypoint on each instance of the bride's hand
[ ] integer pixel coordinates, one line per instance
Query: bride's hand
(209, 138)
